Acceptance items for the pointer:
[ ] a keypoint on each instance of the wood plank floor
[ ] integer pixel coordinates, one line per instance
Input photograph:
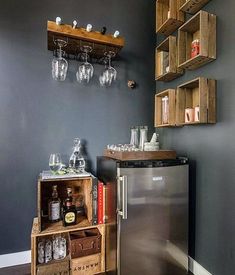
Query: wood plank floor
(16, 270)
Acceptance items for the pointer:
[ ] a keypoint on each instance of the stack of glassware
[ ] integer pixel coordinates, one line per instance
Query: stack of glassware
(138, 141)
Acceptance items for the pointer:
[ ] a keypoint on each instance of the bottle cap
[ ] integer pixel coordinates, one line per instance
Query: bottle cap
(58, 20)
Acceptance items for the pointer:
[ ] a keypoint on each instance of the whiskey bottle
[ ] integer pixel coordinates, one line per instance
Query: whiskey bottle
(69, 210)
(54, 206)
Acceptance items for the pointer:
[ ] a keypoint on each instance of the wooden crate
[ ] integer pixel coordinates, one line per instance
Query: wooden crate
(158, 108)
(88, 265)
(168, 16)
(79, 186)
(168, 47)
(201, 26)
(198, 92)
(192, 6)
(36, 235)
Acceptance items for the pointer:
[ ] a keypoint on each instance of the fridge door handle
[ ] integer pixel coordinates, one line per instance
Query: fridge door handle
(123, 211)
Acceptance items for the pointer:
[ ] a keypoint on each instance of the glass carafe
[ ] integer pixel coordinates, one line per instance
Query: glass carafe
(76, 160)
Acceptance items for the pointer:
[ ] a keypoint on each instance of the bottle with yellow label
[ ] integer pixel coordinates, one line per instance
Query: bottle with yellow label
(69, 210)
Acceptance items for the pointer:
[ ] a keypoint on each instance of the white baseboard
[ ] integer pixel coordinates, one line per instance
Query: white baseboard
(196, 268)
(12, 259)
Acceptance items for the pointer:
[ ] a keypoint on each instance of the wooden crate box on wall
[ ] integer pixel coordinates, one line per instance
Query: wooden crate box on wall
(166, 68)
(201, 27)
(168, 16)
(192, 6)
(158, 108)
(200, 92)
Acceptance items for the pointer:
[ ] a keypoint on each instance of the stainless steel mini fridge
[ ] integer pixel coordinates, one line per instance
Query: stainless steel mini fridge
(146, 215)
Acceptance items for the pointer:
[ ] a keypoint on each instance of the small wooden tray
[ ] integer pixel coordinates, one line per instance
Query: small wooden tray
(140, 155)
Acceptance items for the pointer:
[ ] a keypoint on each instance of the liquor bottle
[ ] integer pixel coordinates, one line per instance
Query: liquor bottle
(54, 206)
(69, 210)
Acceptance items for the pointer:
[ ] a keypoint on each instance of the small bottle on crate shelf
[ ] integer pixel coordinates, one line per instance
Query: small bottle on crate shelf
(69, 210)
(54, 206)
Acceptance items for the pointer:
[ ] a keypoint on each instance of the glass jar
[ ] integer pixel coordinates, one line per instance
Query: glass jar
(143, 137)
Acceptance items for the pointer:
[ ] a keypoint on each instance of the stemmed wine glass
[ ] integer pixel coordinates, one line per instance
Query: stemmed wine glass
(55, 162)
(85, 70)
(59, 64)
(109, 74)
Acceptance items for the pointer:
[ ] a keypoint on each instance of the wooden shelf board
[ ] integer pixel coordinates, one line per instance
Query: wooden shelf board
(165, 125)
(196, 62)
(168, 76)
(57, 228)
(169, 26)
(193, 6)
(79, 36)
(194, 123)
(140, 155)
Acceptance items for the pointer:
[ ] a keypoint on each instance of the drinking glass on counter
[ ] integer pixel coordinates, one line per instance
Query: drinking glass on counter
(55, 162)
(143, 137)
(134, 136)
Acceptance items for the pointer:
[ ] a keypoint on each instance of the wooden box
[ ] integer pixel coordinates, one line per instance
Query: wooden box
(199, 92)
(80, 186)
(168, 16)
(85, 243)
(201, 27)
(192, 6)
(158, 108)
(54, 268)
(88, 265)
(167, 49)
(36, 236)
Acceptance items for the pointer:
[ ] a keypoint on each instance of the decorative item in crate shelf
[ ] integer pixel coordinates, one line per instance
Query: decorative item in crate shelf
(85, 243)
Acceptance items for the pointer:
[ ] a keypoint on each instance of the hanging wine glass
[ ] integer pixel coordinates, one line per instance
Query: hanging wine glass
(109, 74)
(59, 64)
(85, 70)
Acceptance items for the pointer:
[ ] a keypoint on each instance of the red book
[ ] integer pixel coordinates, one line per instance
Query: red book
(100, 202)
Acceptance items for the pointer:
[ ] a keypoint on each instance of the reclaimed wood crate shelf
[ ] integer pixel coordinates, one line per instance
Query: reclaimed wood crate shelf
(78, 37)
(140, 155)
(166, 68)
(158, 108)
(168, 16)
(192, 6)
(199, 92)
(80, 186)
(201, 27)
(36, 236)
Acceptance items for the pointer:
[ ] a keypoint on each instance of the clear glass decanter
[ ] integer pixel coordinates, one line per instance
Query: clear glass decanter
(76, 160)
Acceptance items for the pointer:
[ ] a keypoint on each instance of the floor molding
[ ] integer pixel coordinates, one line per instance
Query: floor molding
(12, 259)
(196, 268)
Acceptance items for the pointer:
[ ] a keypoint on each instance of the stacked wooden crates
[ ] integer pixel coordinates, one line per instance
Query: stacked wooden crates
(85, 240)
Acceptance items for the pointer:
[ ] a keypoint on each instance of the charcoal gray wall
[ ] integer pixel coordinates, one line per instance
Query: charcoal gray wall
(212, 148)
(39, 116)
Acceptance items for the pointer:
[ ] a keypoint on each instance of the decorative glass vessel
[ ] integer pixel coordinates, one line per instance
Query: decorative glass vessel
(76, 160)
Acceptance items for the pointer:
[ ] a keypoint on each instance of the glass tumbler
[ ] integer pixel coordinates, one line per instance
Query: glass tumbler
(41, 252)
(59, 248)
(143, 137)
(134, 136)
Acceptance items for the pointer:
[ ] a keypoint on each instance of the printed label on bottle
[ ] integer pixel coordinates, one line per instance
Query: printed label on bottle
(69, 217)
(55, 211)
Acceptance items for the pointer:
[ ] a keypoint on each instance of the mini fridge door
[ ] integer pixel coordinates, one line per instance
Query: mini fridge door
(152, 219)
